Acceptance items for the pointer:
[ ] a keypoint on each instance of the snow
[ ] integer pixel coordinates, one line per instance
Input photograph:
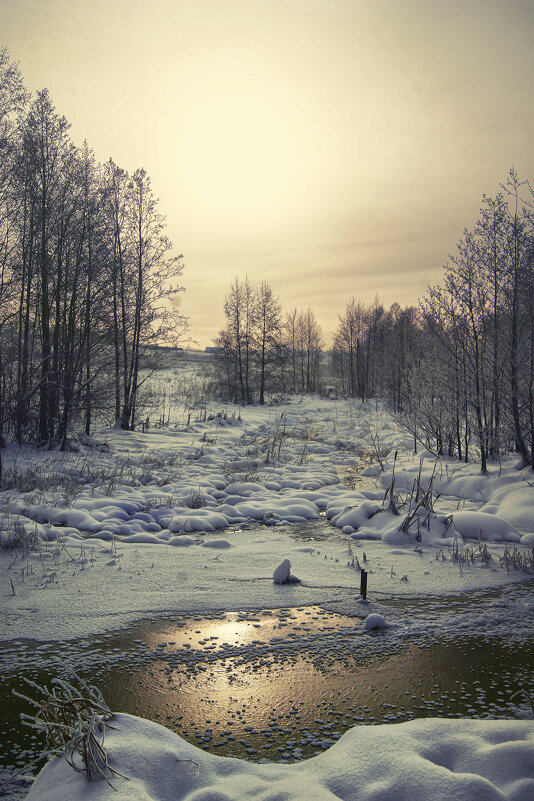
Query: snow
(180, 480)
(464, 760)
(375, 621)
(282, 574)
(233, 499)
(490, 528)
(354, 516)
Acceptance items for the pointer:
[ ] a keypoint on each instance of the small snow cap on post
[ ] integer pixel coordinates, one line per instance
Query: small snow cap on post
(282, 574)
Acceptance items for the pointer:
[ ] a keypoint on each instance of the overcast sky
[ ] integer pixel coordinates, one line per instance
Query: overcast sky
(330, 147)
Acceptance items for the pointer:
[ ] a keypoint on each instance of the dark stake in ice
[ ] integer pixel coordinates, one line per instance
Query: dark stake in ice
(363, 584)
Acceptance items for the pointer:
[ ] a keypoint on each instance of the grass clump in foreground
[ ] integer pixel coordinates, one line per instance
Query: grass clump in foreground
(73, 717)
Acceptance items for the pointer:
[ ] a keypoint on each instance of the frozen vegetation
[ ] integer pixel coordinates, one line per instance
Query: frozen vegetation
(201, 515)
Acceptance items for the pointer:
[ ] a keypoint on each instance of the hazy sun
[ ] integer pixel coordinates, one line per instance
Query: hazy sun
(235, 156)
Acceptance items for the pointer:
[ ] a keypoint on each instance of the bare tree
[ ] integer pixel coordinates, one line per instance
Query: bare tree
(86, 274)
(268, 316)
(144, 271)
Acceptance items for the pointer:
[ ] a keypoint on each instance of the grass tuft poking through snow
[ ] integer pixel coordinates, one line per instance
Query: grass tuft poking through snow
(73, 717)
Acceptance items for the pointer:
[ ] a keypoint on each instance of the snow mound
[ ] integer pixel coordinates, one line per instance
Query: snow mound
(423, 759)
(356, 517)
(282, 574)
(283, 509)
(143, 537)
(183, 541)
(489, 527)
(515, 505)
(220, 543)
(375, 621)
(244, 488)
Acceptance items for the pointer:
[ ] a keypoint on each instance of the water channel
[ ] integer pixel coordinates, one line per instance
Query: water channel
(277, 685)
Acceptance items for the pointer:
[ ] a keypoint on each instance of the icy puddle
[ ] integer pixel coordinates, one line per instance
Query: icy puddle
(241, 628)
(276, 685)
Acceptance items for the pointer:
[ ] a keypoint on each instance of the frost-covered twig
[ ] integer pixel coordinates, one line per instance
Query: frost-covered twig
(73, 717)
(527, 695)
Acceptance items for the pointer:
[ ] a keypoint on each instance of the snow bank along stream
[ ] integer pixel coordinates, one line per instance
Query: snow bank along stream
(280, 684)
(182, 528)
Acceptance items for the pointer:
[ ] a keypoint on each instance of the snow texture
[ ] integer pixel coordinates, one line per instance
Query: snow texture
(375, 621)
(106, 516)
(282, 574)
(419, 760)
(100, 522)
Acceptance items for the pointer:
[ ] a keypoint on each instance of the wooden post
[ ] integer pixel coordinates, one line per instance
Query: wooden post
(363, 584)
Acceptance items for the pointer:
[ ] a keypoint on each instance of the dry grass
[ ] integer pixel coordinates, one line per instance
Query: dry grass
(73, 717)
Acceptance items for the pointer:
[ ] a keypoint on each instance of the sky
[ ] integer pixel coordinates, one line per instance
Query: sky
(333, 148)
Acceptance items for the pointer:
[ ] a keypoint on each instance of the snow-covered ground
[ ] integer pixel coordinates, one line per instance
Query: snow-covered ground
(423, 760)
(196, 517)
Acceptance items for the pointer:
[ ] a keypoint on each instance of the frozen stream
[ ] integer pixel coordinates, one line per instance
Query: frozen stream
(277, 684)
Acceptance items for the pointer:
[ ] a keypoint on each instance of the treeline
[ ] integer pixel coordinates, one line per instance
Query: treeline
(85, 274)
(374, 350)
(476, 377)
(459, 370)
(266, 350)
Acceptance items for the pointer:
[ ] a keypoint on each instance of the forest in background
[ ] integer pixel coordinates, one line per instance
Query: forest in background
(458, 370)
(87, 276)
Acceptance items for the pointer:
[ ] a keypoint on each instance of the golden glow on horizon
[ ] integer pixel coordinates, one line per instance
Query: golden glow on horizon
(331, 147)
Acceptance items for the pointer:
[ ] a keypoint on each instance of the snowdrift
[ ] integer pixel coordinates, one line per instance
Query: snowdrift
(422, 760)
